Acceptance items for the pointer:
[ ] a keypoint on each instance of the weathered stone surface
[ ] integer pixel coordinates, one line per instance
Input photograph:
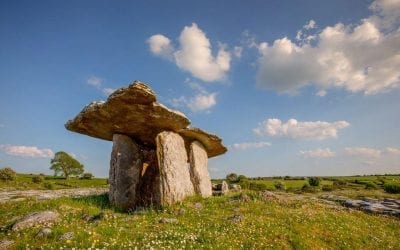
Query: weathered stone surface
(212, 143)
(198, 169)
(38, 218)
(6, 244)
(132, 111)
(126, 163)
(174, 168)
(43, 233)
(224, 187)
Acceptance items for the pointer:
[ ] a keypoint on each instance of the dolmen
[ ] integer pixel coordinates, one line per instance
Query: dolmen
(157, 159)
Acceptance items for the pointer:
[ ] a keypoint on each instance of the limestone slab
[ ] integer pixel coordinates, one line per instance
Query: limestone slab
(172, 158)
(198, 169)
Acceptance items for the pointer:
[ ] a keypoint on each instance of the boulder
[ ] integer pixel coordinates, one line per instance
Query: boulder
(126, 163)
(224, 187)
(43, 233)
(33, 219)
(198, 170)
(175, 180)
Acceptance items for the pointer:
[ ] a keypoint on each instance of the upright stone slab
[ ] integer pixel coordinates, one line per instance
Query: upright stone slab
(175, 182)
(198, 169)
(125, 168)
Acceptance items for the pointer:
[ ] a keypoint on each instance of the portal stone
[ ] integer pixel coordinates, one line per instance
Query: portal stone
(125, 166)
(175, 183)
(198, 169)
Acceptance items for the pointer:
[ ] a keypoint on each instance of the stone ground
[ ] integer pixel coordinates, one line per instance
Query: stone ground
(18, 195)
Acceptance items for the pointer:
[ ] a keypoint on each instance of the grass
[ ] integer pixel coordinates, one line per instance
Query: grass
(285, 223)
(25, 182)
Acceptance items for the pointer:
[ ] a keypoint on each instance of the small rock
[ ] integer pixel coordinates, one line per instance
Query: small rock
(198, 206)
(168, 220)
(181, 211)
(67, 236)
(44, 232)
(244, 197)
(6, 244)
(268, 196)
(38, 218)
(235, 187)
(236, 218)
(353, 203)
(224, 187)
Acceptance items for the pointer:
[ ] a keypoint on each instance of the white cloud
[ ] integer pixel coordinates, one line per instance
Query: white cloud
(318, 153)
(237, 51)
(395, 151)
(27, 151)
(310, 25)
(194, 54)
(321, 93)
(250, 145)
(94, 81)
(363, 57)
(361, 151)
(202, 101)
(161, 46)
(108, 91)
(318, 130)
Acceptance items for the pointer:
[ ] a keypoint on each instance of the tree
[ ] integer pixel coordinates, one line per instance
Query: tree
(232, 177)
(66, 165)
(314, 181)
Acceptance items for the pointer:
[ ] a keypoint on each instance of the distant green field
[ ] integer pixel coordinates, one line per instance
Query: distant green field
(25, 182)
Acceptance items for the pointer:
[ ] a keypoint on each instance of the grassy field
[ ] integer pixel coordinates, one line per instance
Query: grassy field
(284, 224)
(25, 182)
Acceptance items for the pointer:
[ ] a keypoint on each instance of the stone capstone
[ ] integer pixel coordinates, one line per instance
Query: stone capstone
(174, 168)
(135, 112)
(198, 169)
(125, 164)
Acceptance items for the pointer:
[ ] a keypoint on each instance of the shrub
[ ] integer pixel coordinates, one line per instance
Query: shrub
(87, 176)
(279, 185)
(309, 189)
(327, 188)
(370, 185)
(339, 183)
(48, 185)
(314, 181)
(241, 177)
(393, 188)
(7, 174)
(37, 179)
(232, 177)
(258, 186)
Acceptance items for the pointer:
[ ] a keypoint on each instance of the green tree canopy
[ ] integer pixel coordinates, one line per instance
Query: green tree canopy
(232, 177)
(66, 165)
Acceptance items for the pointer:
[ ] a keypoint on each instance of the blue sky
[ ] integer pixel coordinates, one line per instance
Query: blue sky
(293, 88)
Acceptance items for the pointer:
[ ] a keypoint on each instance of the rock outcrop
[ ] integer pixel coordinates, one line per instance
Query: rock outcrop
(157, 159)
(34, 219)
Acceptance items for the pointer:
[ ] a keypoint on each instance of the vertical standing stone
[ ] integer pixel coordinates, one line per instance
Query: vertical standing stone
(198, 169)
(175, 181)
(125, 167)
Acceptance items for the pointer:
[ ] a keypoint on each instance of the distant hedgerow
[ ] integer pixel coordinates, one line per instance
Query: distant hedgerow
(37, 179)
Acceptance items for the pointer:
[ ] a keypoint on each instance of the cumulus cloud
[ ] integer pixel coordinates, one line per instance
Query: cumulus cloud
(361, 151)
(363, 57)
(395, 151)
(251, 145)
(318, 130)
(202, 101)
(194, 54)
(318, 153)
(161, 46)
(27, 151)
(237, 51)
(321, 93)
(94, 81)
